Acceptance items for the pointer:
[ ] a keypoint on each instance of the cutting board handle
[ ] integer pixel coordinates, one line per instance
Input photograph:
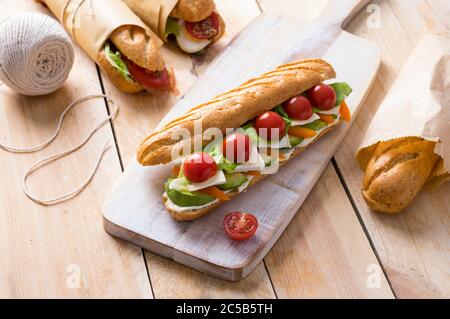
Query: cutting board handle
(342, 11)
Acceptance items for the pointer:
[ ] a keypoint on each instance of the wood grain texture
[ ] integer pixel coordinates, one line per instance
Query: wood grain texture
(44, 249)
(413, 246)
(142, 113)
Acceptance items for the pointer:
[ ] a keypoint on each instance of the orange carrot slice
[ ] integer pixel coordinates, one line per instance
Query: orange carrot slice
(328, 118)
(302, 132)
(176, 170)
(281, 157)
(215, 192)
(253, 173)
(344, 111)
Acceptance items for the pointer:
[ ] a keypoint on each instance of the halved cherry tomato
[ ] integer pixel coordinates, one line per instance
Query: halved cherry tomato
(344, 111)
(298, 108)
(322, 96)
(302, 132)
(240, 226)
(199, 167)
(159, 80)
(327, 118)
(215, 192)
(270, 125)
(205, 29)
(236, 148)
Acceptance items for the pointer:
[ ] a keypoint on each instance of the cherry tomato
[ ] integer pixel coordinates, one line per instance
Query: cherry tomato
(199, 167)
(205, 29)
(270, 125)
(240, 226)
(298, 108)
(155, 80)
(322, 96)
(236, 148)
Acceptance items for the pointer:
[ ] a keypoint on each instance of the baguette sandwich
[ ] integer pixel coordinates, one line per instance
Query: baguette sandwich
(262, 124)
(194, 25)
(119, 42)
(133, 62)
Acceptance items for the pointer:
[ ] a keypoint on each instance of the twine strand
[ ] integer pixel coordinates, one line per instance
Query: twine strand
(52, 158)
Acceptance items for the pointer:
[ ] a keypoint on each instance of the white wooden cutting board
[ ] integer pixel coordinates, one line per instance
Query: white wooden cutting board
(134, 211)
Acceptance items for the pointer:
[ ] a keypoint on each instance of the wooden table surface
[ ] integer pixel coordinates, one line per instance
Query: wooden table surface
(334, 247)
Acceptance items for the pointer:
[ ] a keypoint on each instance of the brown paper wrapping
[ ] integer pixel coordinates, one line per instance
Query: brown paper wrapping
(418, 104)
(153, 12)
(91, 22)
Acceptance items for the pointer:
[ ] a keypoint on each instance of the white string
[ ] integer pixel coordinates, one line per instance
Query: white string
(52, 158)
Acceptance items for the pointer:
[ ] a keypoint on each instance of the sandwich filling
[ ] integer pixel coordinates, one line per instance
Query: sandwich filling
(254, 151)
(193, 37)
(152, 80)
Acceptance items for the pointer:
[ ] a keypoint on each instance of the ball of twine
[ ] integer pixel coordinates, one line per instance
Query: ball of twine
(36, 54)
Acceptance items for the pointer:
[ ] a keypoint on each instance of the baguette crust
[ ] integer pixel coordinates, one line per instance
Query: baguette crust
(193, 10)
(235, 107)
(135, 44)
(194, 214)
(396, 172)
(127, 86)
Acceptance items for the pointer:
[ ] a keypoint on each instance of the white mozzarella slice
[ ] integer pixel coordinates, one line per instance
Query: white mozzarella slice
(188, 45)
(334, 111)
(313, 118)
(181, 185)
(283, 143)
(254, 163)
(171, 205)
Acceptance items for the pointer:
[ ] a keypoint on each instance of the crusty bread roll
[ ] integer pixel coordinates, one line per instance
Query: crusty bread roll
(396, 172)
(134, 43)
(193, 10)
(235, 107)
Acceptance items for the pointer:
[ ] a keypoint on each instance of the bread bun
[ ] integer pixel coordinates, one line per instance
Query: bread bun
(123, 84)
(235, 107)
(396, 172)
(193, 10)
(135, 44)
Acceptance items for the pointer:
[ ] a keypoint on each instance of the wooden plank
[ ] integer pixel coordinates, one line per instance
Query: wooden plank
(413, 246)
(60, 251)
(313, 257)
(324, 252)
(142, 113)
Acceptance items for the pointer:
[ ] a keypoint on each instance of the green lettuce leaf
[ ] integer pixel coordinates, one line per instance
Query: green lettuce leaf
(116, 61)
(172, 27)
(342, 90)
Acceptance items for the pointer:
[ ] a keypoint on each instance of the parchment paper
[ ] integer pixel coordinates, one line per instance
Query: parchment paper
(153, 12)
(418, 104)
(91, 22)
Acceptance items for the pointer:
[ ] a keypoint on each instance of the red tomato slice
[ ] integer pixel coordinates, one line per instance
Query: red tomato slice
(322, 96)
(199, 167)
(270, 125)
(298, 108)
(205, 29)
(236, 148)
(159, 80)
(240, 226)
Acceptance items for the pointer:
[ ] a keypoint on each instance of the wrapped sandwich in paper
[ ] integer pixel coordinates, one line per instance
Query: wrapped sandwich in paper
(112, 35)
(407, 145)
(192, 24)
